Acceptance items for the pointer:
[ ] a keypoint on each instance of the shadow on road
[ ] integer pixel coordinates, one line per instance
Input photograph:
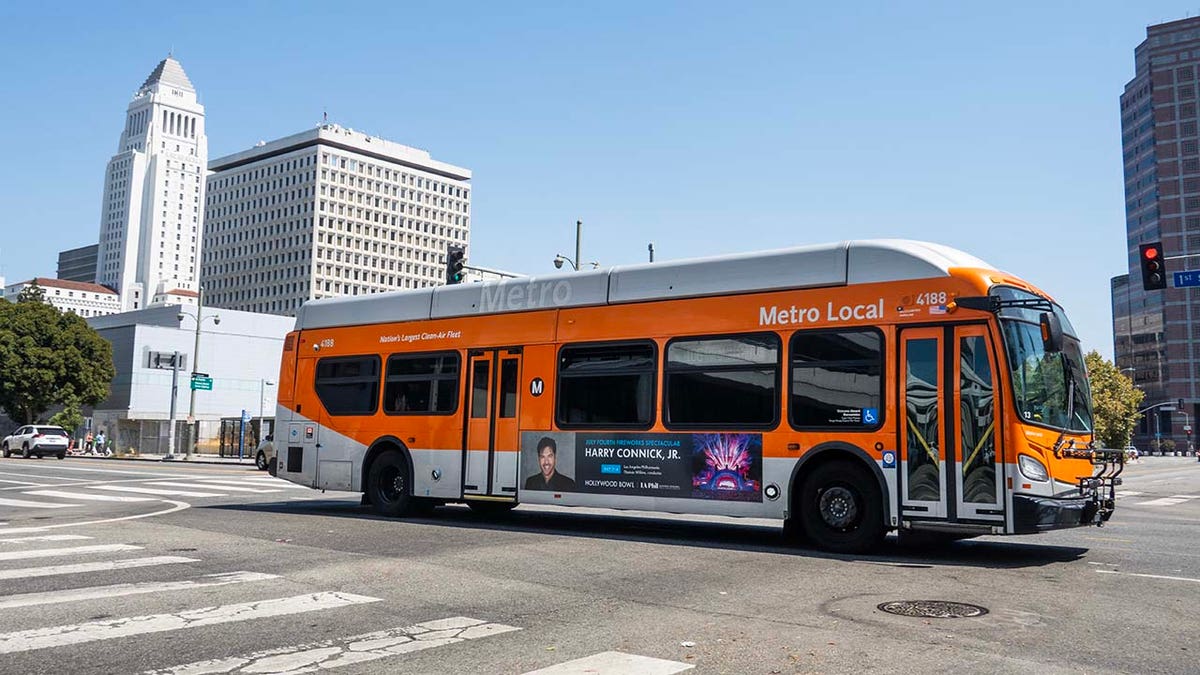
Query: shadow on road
(989, 552)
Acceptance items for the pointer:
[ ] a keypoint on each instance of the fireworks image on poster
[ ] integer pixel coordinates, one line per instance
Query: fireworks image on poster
(727, 466)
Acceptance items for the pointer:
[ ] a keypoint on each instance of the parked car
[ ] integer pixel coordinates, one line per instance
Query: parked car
(36, 439)
(1131, 452)
(265, 453)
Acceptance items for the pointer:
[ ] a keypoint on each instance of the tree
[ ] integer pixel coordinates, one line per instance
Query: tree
(70, 417)
(49, 358)
(32, 293)
(1115, 401)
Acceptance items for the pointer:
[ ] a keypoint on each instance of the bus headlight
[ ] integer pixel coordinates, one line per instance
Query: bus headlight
(1032, 469)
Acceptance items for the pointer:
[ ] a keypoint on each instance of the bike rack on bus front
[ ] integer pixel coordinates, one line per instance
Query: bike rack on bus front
(1109, 464)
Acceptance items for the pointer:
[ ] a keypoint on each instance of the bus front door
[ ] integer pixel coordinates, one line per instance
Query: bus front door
(952, 467)
(491, 452)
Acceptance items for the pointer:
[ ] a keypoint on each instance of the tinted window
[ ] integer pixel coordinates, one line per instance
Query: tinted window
(479, 388)
(348, 385)
(611, 385)
(421, 384)
(508, 388)
(723, 382)
(51, 431)
(836, 379)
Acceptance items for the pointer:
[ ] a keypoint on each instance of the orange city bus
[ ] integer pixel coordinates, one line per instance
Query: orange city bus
(849, 389)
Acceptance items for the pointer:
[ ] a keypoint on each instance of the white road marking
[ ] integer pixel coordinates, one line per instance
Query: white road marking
(26, 504)
(348, 650)
(615, 662)
(119, 590)
(1169, 501)
(120, 471)
(212, 486)
(23, 482)
(153, 491)
(253, 483)
(175, 506)
(1149, 576)
(38, 475)
(76, 550)
(1128, 493)
(44, 537)
(60, 636)
(87, 496)
(81, 568)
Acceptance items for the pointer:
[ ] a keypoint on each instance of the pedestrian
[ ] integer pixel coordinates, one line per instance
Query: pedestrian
(88, 443)
(101, 445)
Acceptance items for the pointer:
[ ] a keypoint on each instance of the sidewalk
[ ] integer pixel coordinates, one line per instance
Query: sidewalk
(196, 459)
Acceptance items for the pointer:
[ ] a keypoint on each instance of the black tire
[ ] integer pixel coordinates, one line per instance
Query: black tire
(841, 508)
(260, 460)
(61, 455)
(25, 452)
(7, 453)
(491, 509)
(389, 484)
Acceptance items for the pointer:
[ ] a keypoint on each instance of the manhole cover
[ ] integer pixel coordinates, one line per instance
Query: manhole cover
(933, 609)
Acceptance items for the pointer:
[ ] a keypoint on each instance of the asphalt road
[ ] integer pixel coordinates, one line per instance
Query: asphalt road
(188, 568)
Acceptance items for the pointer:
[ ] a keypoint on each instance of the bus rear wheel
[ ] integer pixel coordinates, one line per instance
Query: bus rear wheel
(389, 485)
(841, 508)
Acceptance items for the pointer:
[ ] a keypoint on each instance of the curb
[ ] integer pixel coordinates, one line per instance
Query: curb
(160, 459)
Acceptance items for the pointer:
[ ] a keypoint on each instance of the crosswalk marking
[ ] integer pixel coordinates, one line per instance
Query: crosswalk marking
(154, 491)
(349, 650)
(59, 636)
(83, 568)
(63, 494)
(44, 537)
(75, 550)
(213, 486)
(22, 482)
(26, 504)
(119, 590)
(615, 662)
(273, 485)
(1169, 501)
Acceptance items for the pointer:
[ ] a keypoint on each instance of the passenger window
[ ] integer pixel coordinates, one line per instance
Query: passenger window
(348, 385)
(508, 388)
(836, 380)
(421, 384)
(725, 382)
(606, 386)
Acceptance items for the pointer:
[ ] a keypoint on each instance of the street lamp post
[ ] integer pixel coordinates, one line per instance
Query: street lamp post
(576, 262)
(193, 423)
(262, 385)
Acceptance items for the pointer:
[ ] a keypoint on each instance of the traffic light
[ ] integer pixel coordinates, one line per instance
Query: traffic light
(1154, 272)
(456, 259)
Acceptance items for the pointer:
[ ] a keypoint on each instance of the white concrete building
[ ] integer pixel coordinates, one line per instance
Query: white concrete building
(328, 212)
(78, 297)
(154, 191)
(240, 352)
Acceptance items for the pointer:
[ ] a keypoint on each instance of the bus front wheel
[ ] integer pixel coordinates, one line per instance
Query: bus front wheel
(389, 485)
(841, 508)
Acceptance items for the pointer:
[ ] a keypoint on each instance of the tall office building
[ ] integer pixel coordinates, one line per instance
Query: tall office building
(1157, 333)
(78, 264)
(328, 212)
(153, 191)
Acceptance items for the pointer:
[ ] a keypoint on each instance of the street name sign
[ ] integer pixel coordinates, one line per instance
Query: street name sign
(202, 383)
(1186, 279)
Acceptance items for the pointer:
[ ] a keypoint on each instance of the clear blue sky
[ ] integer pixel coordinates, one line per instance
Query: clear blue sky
(705, 127)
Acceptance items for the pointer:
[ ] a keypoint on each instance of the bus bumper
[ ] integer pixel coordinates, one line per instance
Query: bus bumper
(1038, 514)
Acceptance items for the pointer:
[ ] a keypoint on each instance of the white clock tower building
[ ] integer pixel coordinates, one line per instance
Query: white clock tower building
(154, 194)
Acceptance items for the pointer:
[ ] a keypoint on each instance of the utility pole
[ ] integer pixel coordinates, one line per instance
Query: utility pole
(174, 393)
(651, 247)
(578, 235)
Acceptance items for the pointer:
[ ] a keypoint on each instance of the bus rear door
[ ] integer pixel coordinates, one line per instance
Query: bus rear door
(491, 448)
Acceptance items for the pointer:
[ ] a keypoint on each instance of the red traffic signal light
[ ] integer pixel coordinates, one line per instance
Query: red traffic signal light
(1154, 271)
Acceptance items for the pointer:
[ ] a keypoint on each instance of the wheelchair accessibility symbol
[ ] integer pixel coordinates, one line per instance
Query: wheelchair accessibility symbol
(870, 415)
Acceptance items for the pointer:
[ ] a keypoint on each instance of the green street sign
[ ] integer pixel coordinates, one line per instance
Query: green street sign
(202, 383)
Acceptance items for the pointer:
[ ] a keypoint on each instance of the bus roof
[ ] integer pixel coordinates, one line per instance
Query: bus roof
(837, 264)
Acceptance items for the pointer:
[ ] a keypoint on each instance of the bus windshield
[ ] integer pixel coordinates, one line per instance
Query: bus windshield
(1050, 389)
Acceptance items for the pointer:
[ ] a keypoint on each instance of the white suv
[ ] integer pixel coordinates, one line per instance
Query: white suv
(36, 440)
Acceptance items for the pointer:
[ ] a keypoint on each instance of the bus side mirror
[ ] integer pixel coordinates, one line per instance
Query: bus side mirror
(1052, 333)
